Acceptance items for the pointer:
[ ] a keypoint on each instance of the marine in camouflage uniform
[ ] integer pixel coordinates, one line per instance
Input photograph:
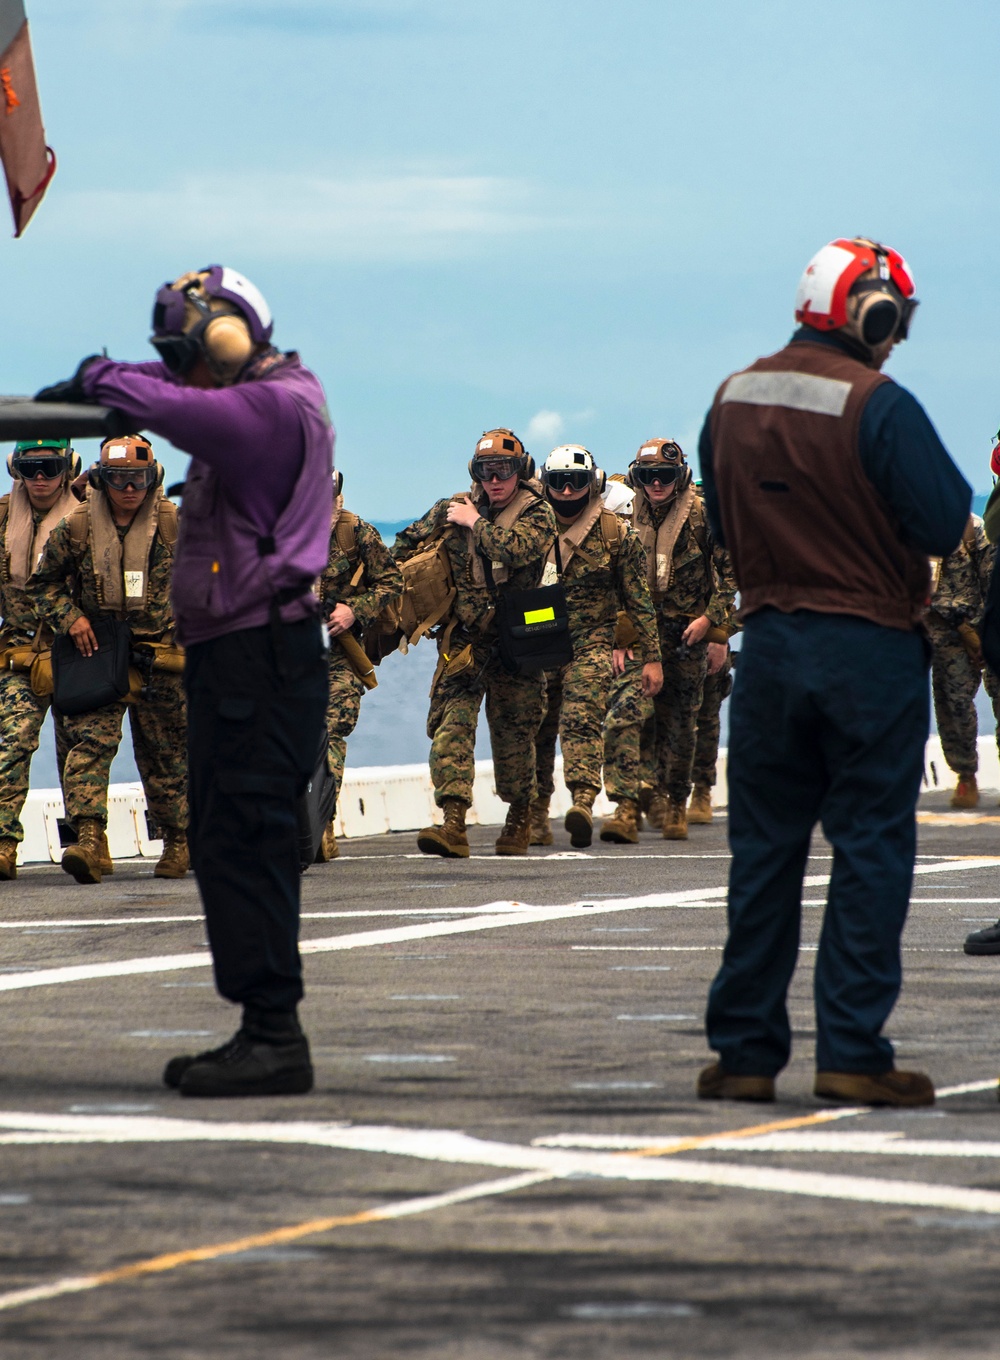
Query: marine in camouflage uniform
(514, 537)
(957, 668)
(693, 596)
(25, 640)
(360, 574)
(603, 574)
(718, 686)
(69, 588)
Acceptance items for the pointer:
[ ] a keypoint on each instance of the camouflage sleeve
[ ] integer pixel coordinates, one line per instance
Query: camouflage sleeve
(983, 554)
(958, 596)
(52, 583)
(382, 579)
(528, 541)
(726, 579)
(720, 603)
(634, 597)
(410, 540)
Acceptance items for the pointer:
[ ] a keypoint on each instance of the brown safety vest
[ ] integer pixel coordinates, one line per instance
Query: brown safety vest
(804, 525)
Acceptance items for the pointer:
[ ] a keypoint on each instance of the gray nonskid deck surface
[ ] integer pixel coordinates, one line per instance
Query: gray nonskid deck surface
(546, 1039)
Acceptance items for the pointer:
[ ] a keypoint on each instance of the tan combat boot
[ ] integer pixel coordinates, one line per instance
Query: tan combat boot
(83, 860)
(675, 822)
(966, 793)
(700, 807)
(8, 859)
(449, 840)
(175, 860)
(541, 830)
(580, 819)
(106, 862)
(328, 847)
(514, 838)
(623, 827)
(657, 810)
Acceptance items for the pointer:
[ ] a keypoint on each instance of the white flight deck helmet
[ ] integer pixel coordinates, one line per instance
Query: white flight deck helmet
(619, 497)
(572, 465)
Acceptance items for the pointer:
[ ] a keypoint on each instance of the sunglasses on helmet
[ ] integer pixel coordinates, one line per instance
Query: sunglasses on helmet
(485, 469)
(122, 478)
(561, 478)
(655, 472)
(50, 468)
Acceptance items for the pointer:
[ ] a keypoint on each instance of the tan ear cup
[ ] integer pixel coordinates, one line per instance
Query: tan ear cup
(10, 464)
(227, 342)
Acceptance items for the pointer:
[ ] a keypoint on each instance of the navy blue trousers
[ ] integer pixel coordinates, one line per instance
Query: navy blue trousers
(828, 722)
(256, 715)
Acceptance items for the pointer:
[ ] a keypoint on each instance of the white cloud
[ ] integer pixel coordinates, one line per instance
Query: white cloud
(545, 427)
(408, 215)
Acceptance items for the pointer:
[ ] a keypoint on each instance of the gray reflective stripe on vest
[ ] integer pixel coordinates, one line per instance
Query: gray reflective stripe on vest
(799, 391)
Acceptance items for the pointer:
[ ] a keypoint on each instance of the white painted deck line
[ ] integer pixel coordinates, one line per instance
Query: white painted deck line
(456, 1148)
(494, 916)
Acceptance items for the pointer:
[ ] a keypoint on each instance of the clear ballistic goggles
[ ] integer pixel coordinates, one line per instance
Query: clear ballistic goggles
(50, 467)
(140, 479)
(654, 472)
(486, 469)
(561, 478)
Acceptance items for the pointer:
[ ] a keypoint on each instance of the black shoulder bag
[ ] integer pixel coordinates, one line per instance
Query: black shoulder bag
(532, 625)
(81, 684)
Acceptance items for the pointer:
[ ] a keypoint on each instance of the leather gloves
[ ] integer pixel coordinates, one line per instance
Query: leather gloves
(70, 389)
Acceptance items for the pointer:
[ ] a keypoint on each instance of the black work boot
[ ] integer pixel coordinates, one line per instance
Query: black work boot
(984, 941)
(267, 1056)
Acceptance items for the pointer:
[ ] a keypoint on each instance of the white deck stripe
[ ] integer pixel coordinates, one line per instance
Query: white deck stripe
(496, 915)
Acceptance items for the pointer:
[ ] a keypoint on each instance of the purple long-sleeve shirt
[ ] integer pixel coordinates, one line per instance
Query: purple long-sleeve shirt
(249, 434)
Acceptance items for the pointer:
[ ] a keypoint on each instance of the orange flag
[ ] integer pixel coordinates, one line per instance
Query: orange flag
(28, 163)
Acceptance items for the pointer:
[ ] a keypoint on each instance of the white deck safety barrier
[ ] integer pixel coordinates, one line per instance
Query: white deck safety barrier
(380, 798)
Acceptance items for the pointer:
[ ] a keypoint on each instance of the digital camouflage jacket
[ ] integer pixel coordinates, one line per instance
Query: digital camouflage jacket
(66, 586)
(19, 608)
(599, 583)
(962, 579)
(702, 580)
(522, 549)
(380, 579)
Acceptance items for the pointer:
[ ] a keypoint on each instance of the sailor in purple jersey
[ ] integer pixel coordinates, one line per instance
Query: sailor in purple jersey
(254, 536)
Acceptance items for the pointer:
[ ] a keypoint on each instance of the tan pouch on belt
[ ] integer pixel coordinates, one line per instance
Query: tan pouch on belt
(461, 661)
(40, 678)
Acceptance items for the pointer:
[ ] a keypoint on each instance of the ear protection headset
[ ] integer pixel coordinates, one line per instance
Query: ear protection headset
(672, 455)
(222, 336)
(858, 286)
(503, 443)
(338, 480)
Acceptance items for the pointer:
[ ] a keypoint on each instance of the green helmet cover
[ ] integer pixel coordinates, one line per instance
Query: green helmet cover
(42, 446)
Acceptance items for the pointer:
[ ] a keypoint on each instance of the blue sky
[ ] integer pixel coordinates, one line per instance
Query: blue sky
(571, 218)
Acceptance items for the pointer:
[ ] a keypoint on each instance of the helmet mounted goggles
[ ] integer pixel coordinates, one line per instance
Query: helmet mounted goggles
(127, 461)
(49, 458)
(569, 465)
(658, 460)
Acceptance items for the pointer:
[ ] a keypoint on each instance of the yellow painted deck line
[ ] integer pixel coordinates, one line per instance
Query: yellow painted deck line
(155, 1265)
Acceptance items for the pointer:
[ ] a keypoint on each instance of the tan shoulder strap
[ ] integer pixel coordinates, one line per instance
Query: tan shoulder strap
(346, 532)
(167, 523)
(79, 526)
(613, 530)
(4, 511)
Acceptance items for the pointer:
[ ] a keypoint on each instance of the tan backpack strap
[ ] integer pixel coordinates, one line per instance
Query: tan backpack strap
(347, 534)
(4, 512)
(613, 531)
(167, 523)
(79, 526)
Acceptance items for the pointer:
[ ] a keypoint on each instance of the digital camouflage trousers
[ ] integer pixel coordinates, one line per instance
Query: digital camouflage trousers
(342, 712)
(676, 708)
(22, 714)
(577, 703)
(159, 742)
(629, 714)
(955, 681)
(514, 708)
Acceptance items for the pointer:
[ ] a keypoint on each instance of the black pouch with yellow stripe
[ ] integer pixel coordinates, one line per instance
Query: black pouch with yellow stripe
(533, 630)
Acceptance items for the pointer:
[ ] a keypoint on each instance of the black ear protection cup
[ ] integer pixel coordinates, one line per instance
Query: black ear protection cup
(10, 464)
(600, 480)
(159, 477)
(340, 484)
(529, 471)
(879, 315)
(93, 476)
(627, 479)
